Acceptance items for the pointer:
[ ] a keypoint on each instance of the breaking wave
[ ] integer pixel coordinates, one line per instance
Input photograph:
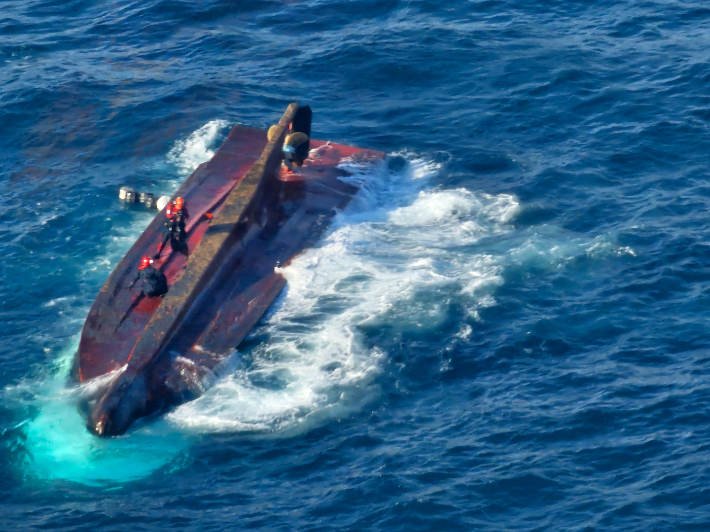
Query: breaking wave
(199, 147)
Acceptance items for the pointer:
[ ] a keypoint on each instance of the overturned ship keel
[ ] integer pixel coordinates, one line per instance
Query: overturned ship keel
(162, 349)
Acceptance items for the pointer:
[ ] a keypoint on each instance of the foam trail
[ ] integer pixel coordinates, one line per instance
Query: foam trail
(393, 259)
(401, 255)
(198, 147)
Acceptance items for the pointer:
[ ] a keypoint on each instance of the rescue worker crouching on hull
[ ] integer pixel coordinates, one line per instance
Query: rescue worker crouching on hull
(295, 148)
(174, 227)
(154, 283)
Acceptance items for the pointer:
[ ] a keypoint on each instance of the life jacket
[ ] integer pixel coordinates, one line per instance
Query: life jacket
(172, 212)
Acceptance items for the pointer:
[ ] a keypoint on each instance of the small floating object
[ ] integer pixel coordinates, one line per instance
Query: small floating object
(147, 199)
(127, 194)
(162, 202)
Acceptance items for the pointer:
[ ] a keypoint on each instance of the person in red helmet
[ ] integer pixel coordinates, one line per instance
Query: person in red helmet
(154, 283)
(177, 209)
(174, 227)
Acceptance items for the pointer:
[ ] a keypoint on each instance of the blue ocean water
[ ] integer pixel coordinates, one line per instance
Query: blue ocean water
(507, 330)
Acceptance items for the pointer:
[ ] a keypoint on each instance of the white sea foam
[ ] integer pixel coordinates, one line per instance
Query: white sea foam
(197, 148)
(394, 259)
(546, 245)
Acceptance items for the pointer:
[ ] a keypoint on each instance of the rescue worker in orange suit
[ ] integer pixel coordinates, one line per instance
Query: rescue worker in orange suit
(174, 227)
(154, 283)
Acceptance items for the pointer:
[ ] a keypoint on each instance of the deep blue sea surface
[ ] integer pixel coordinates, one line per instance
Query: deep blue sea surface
(509, 329)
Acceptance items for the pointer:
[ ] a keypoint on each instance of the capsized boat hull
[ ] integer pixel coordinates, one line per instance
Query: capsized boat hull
(162, 351)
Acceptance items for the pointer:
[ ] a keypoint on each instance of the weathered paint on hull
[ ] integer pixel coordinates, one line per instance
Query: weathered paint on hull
(162, 349)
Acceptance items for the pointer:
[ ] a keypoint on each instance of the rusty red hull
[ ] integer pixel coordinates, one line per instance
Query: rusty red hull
(162, 350)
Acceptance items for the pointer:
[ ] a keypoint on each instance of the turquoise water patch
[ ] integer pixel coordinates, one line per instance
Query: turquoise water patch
(59, 447)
